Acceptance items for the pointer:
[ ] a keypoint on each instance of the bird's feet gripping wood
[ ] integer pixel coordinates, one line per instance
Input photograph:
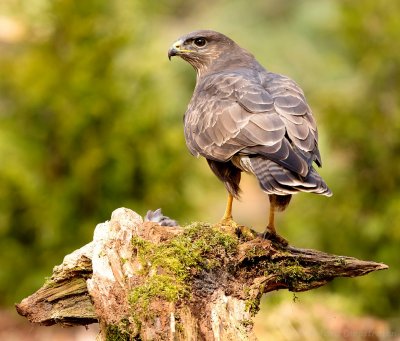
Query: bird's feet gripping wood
(274, 237)
(233, 228)
(270, 232)
(229, 225)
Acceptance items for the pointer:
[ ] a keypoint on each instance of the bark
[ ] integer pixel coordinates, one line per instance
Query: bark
(143, 281)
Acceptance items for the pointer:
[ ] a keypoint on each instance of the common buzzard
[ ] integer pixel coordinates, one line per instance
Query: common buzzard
(244, 118)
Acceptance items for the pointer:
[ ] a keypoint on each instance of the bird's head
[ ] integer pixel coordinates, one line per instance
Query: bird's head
(202, 49)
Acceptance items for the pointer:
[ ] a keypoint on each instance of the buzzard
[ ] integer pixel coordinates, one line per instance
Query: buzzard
(243, 117)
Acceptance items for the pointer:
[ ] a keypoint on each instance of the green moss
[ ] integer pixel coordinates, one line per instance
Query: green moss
(48, 282)
(180, 329)
(293, 273)
(253, 305)
(340, 261)
(255, 251)
(290, 272)
(162, 286)
(117, 333)
(168, 267)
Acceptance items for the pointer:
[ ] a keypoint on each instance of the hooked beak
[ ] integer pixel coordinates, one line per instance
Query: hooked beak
(173, 51)
(176, 49)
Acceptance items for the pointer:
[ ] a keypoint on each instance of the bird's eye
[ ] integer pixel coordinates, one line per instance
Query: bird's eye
(199, 42)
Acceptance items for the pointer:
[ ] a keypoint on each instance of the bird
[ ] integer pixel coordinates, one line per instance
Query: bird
(245, 118)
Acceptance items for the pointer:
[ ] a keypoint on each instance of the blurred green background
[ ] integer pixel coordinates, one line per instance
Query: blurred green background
(91, 120)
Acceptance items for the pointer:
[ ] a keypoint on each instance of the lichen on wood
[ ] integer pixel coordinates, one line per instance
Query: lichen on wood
(144, 281)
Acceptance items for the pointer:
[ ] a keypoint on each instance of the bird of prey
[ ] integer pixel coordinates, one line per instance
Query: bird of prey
(243, 117)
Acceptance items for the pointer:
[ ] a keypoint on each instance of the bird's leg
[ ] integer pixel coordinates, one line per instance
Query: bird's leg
(270, 232)
(271, 218)
(227, 223)
(227, 218)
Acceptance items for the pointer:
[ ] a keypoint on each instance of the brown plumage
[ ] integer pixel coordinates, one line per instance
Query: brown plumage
(244, 118)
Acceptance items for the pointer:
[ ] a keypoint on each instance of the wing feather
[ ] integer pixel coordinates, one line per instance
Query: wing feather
(245, 113)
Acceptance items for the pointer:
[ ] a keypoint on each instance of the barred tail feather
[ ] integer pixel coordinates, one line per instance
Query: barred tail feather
(274, 179)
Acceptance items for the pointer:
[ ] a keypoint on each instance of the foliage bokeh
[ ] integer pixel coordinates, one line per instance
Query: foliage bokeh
(91, 120)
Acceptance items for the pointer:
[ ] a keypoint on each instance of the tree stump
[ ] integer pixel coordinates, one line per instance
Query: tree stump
(144, 281)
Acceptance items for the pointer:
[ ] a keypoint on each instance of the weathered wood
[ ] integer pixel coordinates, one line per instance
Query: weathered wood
(150, 282)
(64, 298)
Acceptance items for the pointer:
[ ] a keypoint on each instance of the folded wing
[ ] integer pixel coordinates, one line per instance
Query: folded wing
(236, 114)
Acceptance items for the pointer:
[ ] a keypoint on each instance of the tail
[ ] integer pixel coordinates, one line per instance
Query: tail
(275, 179)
